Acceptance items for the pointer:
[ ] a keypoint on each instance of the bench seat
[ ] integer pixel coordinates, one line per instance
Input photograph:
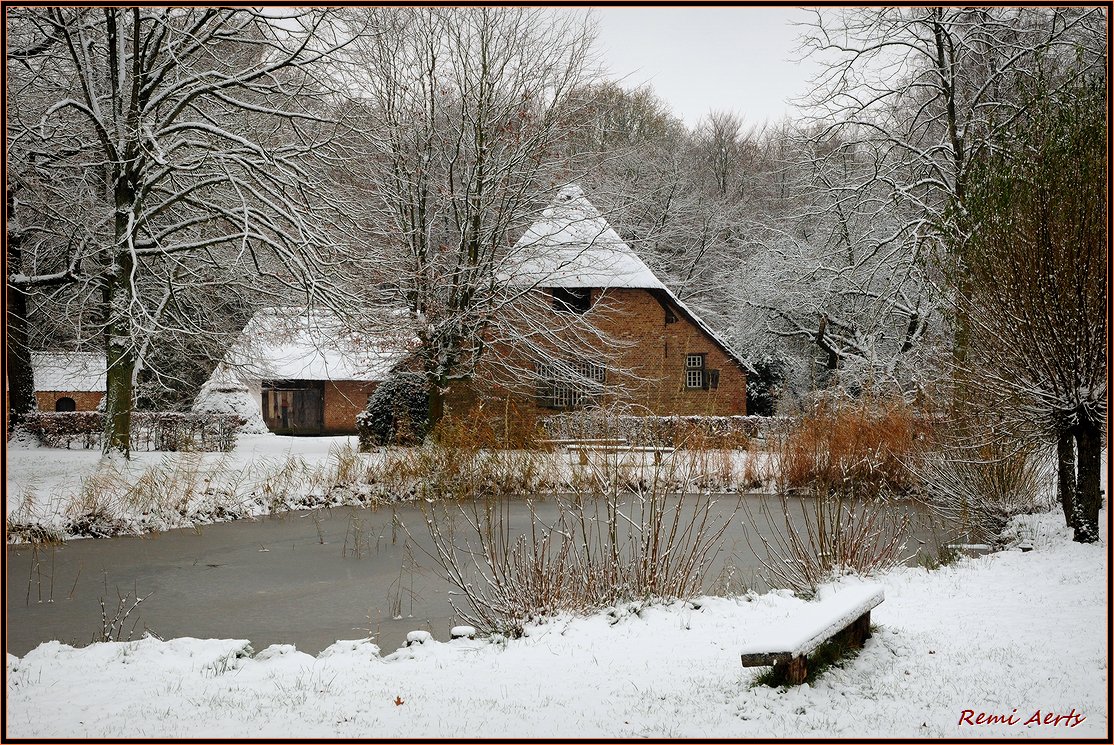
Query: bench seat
(582, 451)
(845, 614)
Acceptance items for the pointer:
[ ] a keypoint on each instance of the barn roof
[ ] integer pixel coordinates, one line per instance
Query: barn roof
(296, 343)
(68, 371)
(572, 245)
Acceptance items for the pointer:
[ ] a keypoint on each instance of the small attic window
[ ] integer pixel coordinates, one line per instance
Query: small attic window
(572, 299)
(670, 316)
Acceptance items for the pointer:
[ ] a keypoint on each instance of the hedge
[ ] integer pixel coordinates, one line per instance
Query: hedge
(150, 430)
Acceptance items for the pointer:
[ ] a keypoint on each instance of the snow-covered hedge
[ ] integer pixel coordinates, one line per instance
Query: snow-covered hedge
(151, 430)
(671, 431)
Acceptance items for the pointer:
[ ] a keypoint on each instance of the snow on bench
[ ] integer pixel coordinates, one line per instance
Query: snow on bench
(846, 614)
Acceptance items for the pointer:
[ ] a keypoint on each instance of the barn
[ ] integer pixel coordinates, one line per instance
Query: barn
(662, 358)
(68, 381)
(307, 373)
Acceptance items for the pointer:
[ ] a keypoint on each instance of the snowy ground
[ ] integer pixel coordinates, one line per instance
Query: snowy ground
(75, 493)
(1019, 635)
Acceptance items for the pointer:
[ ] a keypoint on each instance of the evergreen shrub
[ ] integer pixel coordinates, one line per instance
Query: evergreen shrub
(397, 412)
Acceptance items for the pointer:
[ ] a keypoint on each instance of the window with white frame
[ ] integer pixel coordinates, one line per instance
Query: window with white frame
(569, 384)
(694, 371)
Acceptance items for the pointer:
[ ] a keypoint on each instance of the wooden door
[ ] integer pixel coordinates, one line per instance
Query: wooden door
(294, 407)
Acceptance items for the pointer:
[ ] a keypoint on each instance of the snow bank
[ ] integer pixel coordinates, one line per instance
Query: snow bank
(1012, 635)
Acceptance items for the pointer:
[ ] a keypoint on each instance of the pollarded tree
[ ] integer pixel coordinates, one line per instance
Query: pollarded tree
(163, 151)
(1037, 260)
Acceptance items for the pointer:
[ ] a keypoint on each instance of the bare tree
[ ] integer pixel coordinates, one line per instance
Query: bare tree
(463, 112)
(831, 276)
(166, 150)
(918, 95)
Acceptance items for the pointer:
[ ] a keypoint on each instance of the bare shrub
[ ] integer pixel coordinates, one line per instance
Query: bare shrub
(816, 538)
(978, 489)
(607, 545)
(113, 626)
(859, 445)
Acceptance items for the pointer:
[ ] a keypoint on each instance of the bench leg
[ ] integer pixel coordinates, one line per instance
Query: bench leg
(792, 672)
(855, 635)
(858, 632)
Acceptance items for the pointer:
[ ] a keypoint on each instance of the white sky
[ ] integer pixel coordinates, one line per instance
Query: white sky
(698, 59)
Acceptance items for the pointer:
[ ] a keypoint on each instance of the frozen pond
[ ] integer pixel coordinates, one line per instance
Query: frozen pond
(306, 578)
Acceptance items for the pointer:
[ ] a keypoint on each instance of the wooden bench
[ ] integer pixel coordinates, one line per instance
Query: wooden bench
(582, 451)
(844, 616)
(556, 443)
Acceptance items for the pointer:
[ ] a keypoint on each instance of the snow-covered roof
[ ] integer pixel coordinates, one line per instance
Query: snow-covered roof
(572, 245)
(293, 343)
(68, 371)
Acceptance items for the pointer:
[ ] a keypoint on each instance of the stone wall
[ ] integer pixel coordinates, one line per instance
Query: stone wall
(84, 400)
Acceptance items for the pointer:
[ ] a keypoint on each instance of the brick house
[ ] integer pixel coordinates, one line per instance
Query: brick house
(68, 381)
(307, 374)
(661, 357)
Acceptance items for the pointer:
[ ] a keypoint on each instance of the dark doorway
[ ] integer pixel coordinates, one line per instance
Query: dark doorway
(65, 403)
(294, 407)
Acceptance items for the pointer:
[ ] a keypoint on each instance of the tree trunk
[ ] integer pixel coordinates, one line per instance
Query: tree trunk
(21, 382)
(436, 404)
(119, 397)
(1065, 470)
(117, 296)
(1088, 438)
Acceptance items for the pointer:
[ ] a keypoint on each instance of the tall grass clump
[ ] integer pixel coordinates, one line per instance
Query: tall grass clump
(843, 479)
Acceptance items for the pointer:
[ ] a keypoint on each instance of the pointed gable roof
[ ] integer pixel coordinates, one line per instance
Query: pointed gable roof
(573, 246)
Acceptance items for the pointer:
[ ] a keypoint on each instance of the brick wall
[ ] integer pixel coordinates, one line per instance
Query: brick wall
(652, 351)
(84, 400)
(343, 400)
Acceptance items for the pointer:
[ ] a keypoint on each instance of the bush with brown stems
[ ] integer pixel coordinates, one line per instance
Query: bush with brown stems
(810, 539)
(650, 539)
(861, 446)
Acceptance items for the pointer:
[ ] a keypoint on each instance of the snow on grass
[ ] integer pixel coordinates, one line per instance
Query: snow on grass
(1010, 634)
(71, 493)
(53, 487)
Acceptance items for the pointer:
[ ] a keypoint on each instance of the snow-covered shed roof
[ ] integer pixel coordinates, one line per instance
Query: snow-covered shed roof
(296, 343)
(572, 245)
(68, 371)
